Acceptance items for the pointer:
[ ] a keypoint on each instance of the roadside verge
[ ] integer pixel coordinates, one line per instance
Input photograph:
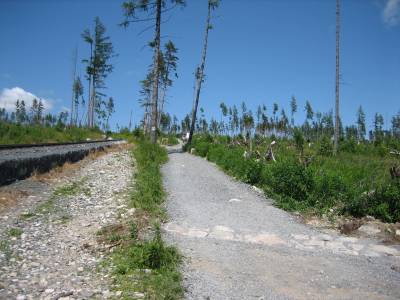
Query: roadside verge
(143, 266)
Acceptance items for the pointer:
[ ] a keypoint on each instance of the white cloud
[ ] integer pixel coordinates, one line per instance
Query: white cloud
(391, 12)
(8, 97)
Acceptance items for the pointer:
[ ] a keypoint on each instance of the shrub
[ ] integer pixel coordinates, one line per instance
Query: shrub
(382, 203)
(290, 178)
(349, 145)
(202, 148)
(329, 188)
(325, 147)
(298, 139)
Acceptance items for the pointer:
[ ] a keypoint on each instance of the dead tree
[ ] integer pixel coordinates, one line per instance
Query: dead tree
(212, 4)
(336, 135)
(395, 172)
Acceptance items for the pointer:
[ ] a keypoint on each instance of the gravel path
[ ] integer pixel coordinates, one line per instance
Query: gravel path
(48, 243)
(239, 246)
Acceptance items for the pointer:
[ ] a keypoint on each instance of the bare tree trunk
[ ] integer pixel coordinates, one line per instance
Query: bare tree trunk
(93, 103)
(336, 135)
(200, 74)
(130, 121)
(90, 89)
(156, 73)
(161, 106)
(74, 58)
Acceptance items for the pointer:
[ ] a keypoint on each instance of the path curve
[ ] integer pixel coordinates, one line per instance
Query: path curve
(239, 246)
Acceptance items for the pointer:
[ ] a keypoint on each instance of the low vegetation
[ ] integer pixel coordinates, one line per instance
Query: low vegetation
(169, 140)
(15, 232)
(50, 205)
(142, 262)
(11, 133)
(72, 189)
(308, 178)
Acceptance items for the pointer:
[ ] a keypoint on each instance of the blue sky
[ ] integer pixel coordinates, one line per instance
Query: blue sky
(260, 51)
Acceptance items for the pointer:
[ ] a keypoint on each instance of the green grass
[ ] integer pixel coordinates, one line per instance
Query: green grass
(15, 232)
(141, 265)
(6, 249)
(154, 266)
(148, 193)
(49, 206)
(169, 140)
(356, 182)
(30, 134)
(27, 215)
(72, 189)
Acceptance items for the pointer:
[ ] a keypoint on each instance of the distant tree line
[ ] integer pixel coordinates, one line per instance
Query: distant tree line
(33, 115)
(242, 121)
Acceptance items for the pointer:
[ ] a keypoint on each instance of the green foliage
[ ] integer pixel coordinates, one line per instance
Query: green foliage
(349, 146)
(169, 140)
(148, 193)
(153, 264)
(325, 147)
(382, 203)
(6, 249)
(298, 139)
(343, 182)
(72, 189)
(291, 179)
(133, 230)
(154, 254)
(15, 232)
(25, 134)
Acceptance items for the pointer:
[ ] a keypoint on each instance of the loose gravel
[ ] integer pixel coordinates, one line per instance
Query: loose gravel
(239, 246)
(48, 244)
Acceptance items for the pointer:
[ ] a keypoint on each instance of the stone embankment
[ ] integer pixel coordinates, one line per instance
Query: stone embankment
(19, 163)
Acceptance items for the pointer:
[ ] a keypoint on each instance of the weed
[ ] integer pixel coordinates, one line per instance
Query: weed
(15, 232)
(27, 215)
(45, 207)
(6, 249)
(72, 189)
(65, 218)
(163, 281)
(133, 230)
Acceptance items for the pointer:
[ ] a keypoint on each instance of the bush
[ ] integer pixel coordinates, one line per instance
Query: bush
(325, 147)
(291, 179)
(382, 203)
(298, 139)
(201, 148)
(329, 188)
(349, 145)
